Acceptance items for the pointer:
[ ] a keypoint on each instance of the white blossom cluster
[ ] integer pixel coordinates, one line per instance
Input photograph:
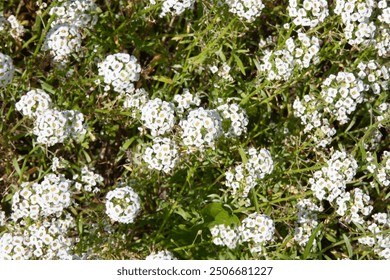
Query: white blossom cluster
(119, 71)
(297, 53)
(34, 103)
(158, 116)
(55, 126)
(161, 255)
(384, 112)
(162, 155)
(17, 29)
(65, 34)
(374, 76)
(201, 128)
(329, 183)
(317, 126)
(7, 70)
(380, 242)
(256, 229)
(135, 101)
(44, 239)
(223, 235)
(185, 101)
(2, 217)
(307, 221)
(123, 204)
(50, 197)
(383, 170)
(88, 180)
(236, 118)
(356, 17)
(353, 206)
(308, 13)
(79, 13)
(244, 176)
(342, 93)
(61, 41)
(382, 38)
(247, 10)
(174, 7)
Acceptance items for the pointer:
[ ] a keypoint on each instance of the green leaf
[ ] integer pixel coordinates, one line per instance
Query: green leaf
(348, 244)
(239, 64)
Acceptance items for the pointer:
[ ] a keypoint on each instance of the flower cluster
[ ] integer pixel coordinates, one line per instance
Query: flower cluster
(7, 70)
(201, 128)
(185, 101)
(50, 197)
(382, 39)
(2, 218)
(79, 13)
(163, 155)
(256, 229)
(307, 221)
(158, 116)
(55, 126)
(342, 93)
(380, 242)
(123, 204)
(135, 101)
(161, 255)
(223, 235)
(235, 117)
(355, 15)
(62, 40)
(316, 124)
(120, 70)
(65, 34)
(34, 103)
(17, 29)
(308, 13)
(383, 171)
(247, 10)
(374, 76)
(353, 206)
(243, 177)
(88, 181)
(297, 53)
(329, 183)
(175, 7)
(43, 239)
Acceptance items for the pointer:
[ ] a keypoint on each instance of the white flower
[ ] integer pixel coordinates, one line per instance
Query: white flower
(33, 103)
(161, 255)
(247, 10)
(7, 70)
(158, 116)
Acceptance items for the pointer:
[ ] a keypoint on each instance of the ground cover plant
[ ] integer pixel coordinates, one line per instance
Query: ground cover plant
(187, 129)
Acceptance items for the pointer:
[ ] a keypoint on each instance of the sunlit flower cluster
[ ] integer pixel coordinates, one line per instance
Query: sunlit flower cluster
(158, 116)
(7, 70)
(162, 155)
(374, 76)
(308, 13)
(174, 7)
(17, 29)
(44, 239)
(244, 176)
(297, 53)
(135, 101)
(185, 101)
(256, 229)
(119, 71)
(123, 204)
(307, 221)
(223, 235)
(201, 128)
(356, 17)
(383, 171)
(380, 241)
(354, 206)
(329, 183)
(247, 10)
(50, 197)
(235, 117)
(161, 255)
(88, 181)
(34, 103)
(55, 126)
